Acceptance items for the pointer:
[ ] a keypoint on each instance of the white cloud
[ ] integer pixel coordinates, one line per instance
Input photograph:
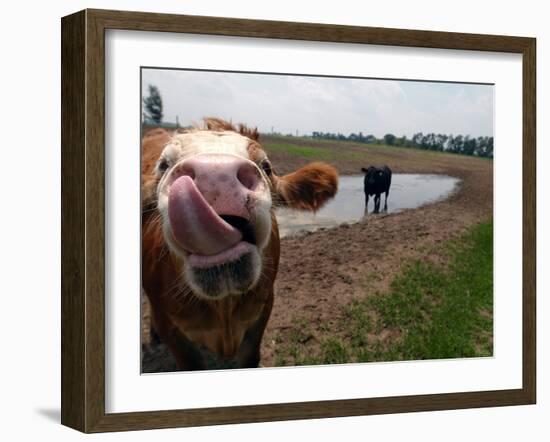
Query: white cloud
(306, 104)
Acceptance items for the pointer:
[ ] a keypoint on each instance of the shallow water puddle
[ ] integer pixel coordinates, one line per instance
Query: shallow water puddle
(408, 191)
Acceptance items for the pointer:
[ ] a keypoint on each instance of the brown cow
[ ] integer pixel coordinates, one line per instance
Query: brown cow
(210, 241)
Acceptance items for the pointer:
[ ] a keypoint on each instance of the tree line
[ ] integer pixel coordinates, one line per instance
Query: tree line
(460, 144)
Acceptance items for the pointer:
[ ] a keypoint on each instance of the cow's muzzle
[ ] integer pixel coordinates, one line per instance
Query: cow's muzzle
(209, 204)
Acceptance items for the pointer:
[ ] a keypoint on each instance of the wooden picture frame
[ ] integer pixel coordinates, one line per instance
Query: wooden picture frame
(83, 220)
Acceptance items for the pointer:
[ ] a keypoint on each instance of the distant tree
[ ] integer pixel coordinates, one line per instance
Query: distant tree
(458, 144)
(389, 139)
(370, 139)
(402, 141)
(450, 143)
(417, 139)
(427, 141)
(470, 145)
(152, 105)
(444, 141)
(432, 142)
(489, 148)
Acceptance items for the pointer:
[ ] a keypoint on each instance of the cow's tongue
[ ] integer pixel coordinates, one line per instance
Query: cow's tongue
(195, 225)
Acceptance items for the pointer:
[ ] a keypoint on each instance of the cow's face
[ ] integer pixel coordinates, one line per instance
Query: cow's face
(371, 175)
(215, 194)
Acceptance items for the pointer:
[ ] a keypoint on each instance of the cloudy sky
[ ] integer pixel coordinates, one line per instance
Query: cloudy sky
(288, 103)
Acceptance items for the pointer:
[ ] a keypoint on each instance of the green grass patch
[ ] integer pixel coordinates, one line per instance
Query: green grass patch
(323, 149)
(317, 153)
(432, 311)
(445, 313)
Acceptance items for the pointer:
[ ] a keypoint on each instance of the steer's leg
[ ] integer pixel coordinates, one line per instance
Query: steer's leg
(185, 353)
(249, 350)
(377, 203)
(386, 201)
(366, 201)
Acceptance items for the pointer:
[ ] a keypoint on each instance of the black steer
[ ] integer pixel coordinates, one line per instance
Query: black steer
(377, 181)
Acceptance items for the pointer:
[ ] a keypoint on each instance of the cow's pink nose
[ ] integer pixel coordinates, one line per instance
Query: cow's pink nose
(225, 181)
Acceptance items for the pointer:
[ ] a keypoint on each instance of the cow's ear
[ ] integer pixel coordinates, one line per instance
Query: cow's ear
(309, 188)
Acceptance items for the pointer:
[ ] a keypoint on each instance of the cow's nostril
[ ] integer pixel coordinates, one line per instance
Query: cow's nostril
(248, 176)
(187, 170)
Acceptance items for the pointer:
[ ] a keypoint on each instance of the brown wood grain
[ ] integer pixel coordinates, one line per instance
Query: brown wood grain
(83, 219)
(95, 221)
(73, 254)
(529, 221)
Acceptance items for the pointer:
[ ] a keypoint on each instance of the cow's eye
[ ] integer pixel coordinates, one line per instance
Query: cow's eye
(266, 167)
(163, 166)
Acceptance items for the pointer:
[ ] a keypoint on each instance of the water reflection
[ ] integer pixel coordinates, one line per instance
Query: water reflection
(407, 191)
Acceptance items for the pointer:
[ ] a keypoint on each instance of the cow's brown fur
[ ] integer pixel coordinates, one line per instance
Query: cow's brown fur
(308, 188)
(230, 328)
(219, 125)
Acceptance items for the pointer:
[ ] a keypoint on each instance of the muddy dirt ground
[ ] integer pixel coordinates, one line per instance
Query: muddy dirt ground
(312, 287)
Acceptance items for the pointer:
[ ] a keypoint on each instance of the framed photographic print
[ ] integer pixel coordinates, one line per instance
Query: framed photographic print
(270, 220)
